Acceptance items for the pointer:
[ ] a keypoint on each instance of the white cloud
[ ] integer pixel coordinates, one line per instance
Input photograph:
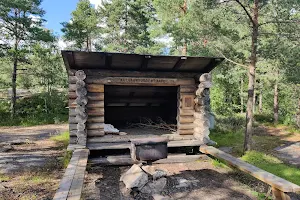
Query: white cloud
(97, 3)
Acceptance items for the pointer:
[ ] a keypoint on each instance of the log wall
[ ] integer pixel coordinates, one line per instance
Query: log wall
(94, 97)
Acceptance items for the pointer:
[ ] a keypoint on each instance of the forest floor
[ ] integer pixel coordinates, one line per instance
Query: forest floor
(33, 163)
(39, 162)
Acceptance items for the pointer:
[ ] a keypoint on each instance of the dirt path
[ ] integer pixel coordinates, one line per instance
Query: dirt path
(31, 168)
(288, 148)
(193, 181)
(37, 150)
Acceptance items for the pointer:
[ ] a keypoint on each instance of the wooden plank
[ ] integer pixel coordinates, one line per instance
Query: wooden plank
(95, 87)
(256, 172)
(95, 96)
(95, 133)
(186, 132)
(126, 159)
(127, 73)
(139, 81)
(126, 145)
(186, 119)
(91, 126)
(183, 112)
(186, 126)
(95, 119)
(95, 104)
(95, 111)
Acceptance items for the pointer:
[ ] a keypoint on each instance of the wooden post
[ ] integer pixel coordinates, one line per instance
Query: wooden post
(202, 109)
(280, 195)
(81, 101)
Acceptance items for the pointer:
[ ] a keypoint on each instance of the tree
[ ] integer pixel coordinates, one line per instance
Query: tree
(126, 26)
(21, 25)
(82, 27)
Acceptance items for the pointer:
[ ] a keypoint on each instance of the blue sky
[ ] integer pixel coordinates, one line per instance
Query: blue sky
(58, 11)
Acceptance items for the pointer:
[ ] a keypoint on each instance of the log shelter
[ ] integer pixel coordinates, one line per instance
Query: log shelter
(121, 89)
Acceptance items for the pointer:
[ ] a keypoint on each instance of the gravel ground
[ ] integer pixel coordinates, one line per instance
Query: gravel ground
(204, 182)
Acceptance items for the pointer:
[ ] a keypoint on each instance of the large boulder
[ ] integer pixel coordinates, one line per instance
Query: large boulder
(155, 186)
(135, 177)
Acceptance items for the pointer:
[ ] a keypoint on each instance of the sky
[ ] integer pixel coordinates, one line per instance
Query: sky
(58, 11)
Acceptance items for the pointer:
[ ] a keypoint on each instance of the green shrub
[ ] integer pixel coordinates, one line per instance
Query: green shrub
(42, 108)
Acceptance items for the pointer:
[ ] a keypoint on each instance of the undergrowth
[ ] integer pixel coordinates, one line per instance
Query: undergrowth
(62, 138)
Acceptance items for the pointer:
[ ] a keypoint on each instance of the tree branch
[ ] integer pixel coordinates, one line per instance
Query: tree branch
(279, 22)
(248, 14)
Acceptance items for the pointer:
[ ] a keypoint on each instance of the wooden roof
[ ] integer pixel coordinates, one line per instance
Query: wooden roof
(137, 62)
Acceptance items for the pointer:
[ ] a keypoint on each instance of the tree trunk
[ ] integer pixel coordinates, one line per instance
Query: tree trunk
(184, 48)
(241, 95)
(254, 99)
(260, 100)
(14, 87)
(251, 77)
(276, 105)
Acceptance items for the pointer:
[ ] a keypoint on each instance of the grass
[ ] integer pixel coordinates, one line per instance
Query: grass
(273, 165)
(219, 164)
(65, 159)
(4, 178)
(62, 138)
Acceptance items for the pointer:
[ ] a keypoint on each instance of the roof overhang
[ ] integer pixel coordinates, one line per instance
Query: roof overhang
(137, 62)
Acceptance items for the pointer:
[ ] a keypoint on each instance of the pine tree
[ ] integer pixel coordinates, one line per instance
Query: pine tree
(126, 27)
(21, 25)
(82, 28)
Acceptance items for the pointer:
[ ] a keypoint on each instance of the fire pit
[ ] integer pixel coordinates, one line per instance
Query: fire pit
(149, 150)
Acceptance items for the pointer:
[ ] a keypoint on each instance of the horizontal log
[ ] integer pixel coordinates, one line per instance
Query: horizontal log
(72, 127)
(81, 117)
(81, 91)
(111, 73)
(72, 79)
(72, 87)
(95, 119)
(81, 100)
(127, 160)
(95, 96)
(80, 84)
(185, 126)
(72, 120)
(72, 112)
(184, 112)
(140, 81)
(186, 119)
(91, 126)
(95, 104)
(94, 133)
(80, 75)
(95, 88)
(81, 126)
(186, 132)
(190, 89)
(72, 95)
(95, 111)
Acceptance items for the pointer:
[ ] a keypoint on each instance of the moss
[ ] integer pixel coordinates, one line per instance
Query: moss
(4, 178)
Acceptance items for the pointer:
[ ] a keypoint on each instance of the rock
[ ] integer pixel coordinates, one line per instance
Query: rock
(154, 187)
(135, 177)
(154, 172)
(158, 174)
(149, 169)
(160, 197)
